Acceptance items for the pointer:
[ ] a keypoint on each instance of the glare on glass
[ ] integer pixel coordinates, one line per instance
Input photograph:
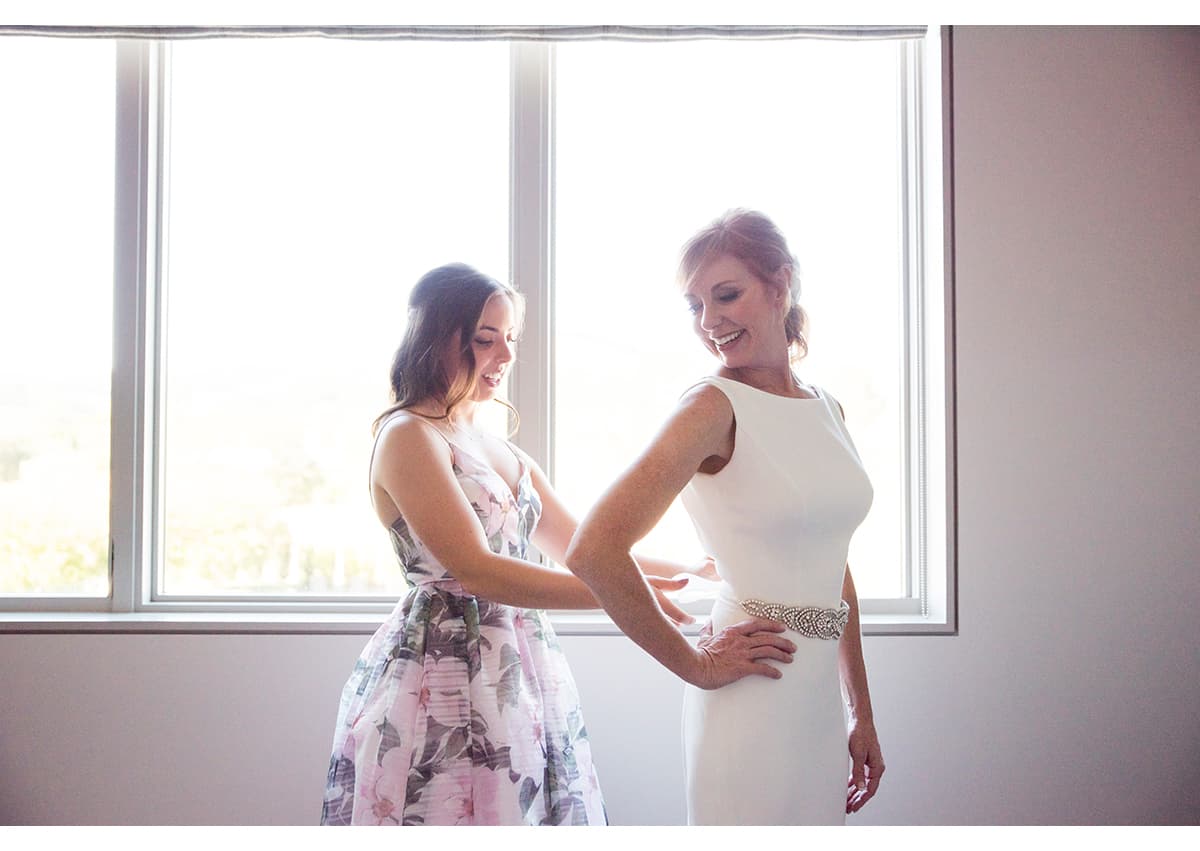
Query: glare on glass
(656, 140)
(310, 184)
(56, 296)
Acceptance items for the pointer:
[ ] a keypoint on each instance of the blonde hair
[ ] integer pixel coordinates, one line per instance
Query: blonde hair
(752, 238)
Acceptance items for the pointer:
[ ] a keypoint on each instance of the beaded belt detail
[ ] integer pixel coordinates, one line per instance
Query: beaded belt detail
(810, 621)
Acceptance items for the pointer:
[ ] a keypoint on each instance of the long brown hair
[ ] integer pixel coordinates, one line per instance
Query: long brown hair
(443, 309)
(752, 238)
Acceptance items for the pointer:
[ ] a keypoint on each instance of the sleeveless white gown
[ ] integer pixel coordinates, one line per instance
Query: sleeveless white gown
(777, 519)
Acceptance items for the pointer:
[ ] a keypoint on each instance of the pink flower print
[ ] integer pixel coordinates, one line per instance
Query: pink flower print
(386, 793)
(490, 787)
(449, 798)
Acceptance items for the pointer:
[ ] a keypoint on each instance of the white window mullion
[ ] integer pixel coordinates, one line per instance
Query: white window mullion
(155, 313)
(133, 259)
(531, 240)
(916, 448)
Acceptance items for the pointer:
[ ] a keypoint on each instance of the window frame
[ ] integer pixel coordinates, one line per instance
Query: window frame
(136, 503)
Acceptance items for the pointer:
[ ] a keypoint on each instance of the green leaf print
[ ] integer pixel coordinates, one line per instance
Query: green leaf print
(389, 738)
(456, 743)
(508, 692)
(435, 735)
(529, 790)
(509, 656)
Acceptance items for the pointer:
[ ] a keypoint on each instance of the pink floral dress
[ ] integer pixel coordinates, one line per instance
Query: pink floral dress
(461, 710)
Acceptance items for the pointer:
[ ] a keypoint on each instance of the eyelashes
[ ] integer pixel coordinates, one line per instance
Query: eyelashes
(725, 298)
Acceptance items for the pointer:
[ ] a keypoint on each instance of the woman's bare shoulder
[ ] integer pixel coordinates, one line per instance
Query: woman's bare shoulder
(704, 399)
(405, 435)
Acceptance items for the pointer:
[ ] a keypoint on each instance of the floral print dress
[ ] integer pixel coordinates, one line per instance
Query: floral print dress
(461, 710)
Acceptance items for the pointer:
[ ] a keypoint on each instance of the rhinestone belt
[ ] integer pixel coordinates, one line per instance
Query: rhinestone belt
(810, 621)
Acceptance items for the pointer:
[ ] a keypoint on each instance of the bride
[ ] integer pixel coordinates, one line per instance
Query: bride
(775, 489)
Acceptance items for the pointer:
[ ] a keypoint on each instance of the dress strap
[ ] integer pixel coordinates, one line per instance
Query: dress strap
(379, 431)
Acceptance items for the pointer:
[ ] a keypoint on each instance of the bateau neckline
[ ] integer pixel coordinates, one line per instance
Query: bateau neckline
(819, 397)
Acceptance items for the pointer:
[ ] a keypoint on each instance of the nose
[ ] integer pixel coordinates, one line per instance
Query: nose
(708, 318)
(508, 350)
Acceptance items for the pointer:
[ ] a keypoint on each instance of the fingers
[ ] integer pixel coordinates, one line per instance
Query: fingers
(764, 670)
(752, 647)
(743, 641)
(662, 583)
(772, 653)
(748, 627)
(856, 787)
(858, 775)
(673, 611)
(874, 775)
(857, 797)
(757, 656)
(759, 640)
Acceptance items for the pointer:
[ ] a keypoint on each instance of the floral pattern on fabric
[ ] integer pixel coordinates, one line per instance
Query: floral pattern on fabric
(461, 710)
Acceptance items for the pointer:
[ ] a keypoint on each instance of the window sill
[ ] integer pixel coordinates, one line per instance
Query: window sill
(252, 623)
(334, 623)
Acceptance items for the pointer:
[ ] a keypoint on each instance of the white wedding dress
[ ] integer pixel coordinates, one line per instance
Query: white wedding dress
(777, 519)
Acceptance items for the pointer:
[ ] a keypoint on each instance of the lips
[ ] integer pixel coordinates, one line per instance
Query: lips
(727, 340)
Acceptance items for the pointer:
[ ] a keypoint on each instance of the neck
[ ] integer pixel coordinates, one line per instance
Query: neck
(464, 414)
(777, 378)
(462, 417)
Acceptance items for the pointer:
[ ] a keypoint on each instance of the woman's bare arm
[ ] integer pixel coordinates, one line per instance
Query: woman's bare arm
(413, 466)
(865, 753)
(558, 525)
(600, 551)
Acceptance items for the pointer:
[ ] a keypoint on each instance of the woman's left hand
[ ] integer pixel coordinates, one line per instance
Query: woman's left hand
(867, 764)
(659, 585)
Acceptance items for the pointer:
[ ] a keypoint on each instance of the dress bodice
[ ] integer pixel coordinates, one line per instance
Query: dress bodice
(778, 517)
(508, 521)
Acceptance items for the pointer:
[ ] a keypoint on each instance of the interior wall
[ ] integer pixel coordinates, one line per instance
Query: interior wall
(1069, 695)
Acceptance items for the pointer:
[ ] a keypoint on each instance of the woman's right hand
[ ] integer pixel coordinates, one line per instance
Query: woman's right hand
(738, 651)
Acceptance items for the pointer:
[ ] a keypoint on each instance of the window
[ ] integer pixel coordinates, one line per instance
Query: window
(337, 174)
(277, 197)
(55, 316)
(739, 124)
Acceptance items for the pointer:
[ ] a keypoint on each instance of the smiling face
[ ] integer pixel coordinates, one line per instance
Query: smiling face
(738, 316)
(494, 346)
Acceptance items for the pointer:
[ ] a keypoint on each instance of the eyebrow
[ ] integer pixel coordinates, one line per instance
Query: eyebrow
(688, 294)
